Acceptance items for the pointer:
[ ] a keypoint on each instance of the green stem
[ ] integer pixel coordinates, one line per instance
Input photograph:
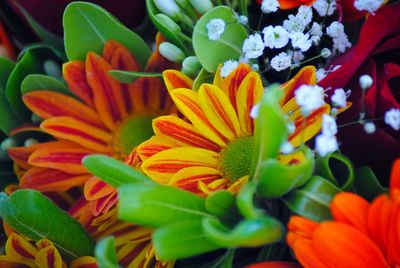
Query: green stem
(243, 7)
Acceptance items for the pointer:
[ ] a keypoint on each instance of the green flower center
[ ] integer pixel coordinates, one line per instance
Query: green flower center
(131, 132)
(237, 158)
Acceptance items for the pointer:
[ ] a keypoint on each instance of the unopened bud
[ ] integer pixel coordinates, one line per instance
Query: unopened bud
(202, 6)
(169, 8)
(8, 143)
(169, 23)
(326, 53)
(369, 127)
(365, 81)
(30, 142)
(191, 66)
(171, 52)
(52, 68)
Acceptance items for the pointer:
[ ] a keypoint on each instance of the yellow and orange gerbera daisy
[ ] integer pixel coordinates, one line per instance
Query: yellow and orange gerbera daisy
(361, 234)
(19, 252)
(213, 148)
(105, 116)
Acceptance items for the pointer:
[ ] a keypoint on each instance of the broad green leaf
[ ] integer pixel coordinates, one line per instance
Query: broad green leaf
(202, 77)
(34, 82)
(129, 77)
(105, 253)
(158, 205)
(313, 199)
(182, 239)
(337, 168)
(6, 67)
(35, 216)
(113, 171)
(270, 128)
(247, 233)
(211, 53)
(367, 184)
(277, 179)
(87, 27)
(245, 201)
(222, 204)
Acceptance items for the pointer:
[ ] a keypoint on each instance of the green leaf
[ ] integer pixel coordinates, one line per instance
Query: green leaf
(313, 199)
(6, 67)
(202, 77)
(129, 77)
(34, 82)
(245, 201)
(105, 253)
(337, 168)
(93, 27)
(158, 205)
(277, 179)
(181, 240)
(222, 204)
(113, 171)
(211, 53)
(247, 233)
(367, 184)
(35, 216)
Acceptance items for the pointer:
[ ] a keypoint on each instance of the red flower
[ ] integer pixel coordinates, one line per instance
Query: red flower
(289, 4)
(377, 53)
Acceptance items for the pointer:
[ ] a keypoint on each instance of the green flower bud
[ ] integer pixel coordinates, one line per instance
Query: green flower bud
(167, 22)
(52, 68)
(191, 66)
(172, 52)
(8, 143)
(30, 142)
(202, 6)
(169, 8)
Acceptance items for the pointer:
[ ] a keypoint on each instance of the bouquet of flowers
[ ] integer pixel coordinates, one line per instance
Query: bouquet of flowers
(200, 133)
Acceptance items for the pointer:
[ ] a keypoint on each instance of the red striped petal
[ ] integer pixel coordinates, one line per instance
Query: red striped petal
(153, 146)
(306, 76)
(174, 79)
(20, 155)
(96, 189)
(75, 75)
(232, 82)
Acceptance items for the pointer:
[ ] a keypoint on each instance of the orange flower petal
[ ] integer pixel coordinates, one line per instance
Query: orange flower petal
(219, 111)
(395, 175)
(174, 79)
(182, 133)
(354, 214)
(119, 56)
(96, 189)
(162, 167)
(274, 264)
(64, 156)
(47, 180)
(249, 94)
(188, 103)
(300, 228)
(84, 262)
(71, 129)
(107, 92)
(289, 4)
(340, 245)
(133, 254)
(394, 235)
(49, 257)
(20, 155)
(307, 256)
(232, 82)
(104, 204)
(75, 75)
(153, 146)
(306, 76)
(20, 249)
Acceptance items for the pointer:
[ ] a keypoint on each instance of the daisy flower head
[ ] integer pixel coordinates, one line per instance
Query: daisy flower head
(275, 37)
(215, 28)
(253, 46)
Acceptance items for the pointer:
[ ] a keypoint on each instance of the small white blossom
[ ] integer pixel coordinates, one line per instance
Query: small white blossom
(321, 74)
(291, 127)
(215, 27)
(253, 46)
(368, 5)
(315, 39)
(369, 127)
(341, 43)
(243, 19)
(269, 6)
(365, 81)
(275, 37)
(324, 8)
(305, 14)
(326, 53)
(255, 111)
(294, 24)
(392, 118)
(281, 61)
(325, 144)
(316, 29)
(335, 29)
(297, 56)
(329, 127)
(301, 41)
(286, 148)
(339, 98)
(334, 111)
(228, 67)
(309, 97)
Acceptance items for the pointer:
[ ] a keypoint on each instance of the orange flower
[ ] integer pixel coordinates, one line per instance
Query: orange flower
(289, 4)
(361, 234)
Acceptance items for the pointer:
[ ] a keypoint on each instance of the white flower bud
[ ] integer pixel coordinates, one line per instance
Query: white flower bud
(365, 81)
(8, 143)
(169, 23)
(52, 68)
(191, 66)
(169, 8)
(171, 52)
(30, 142)
(202, 6)
(326, 53)
(369, 127)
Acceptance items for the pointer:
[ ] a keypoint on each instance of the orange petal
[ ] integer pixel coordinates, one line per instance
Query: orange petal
(47, 180)
(84, 262)
(219, 111)
(189, 178)
(394, 235)
(182, 133)
(274, 264)
(48, 104)
(104, 204)
(153, 146)
(174, 79)
(150, 94)
(76, 131)
(20, 155)
(20, 249)
(233, 80)
(341, 245)
(107, 92)
(307, 256)
(162, 167)
(249, 94)
(96, 189)
(75, 75)
(300, 228)
(133, 254)
(354, 214)
(395, 175)
(64, 156)
(188, 103)
(119, 56)
(49, 257)
(306, 76)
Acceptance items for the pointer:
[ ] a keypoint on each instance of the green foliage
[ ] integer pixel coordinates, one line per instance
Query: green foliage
(105, 253)
(129, 77)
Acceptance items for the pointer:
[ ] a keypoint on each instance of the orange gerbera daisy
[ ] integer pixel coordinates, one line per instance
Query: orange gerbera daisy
(213, 148)
(361, 234)
(104, 117)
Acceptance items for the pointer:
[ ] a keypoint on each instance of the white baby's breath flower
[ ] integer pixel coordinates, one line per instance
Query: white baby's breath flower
(243, 19)
(368, 5)
(228, 67)
(365, 81)
(341, 43)
(329, 127)
(215, 27)
(253, 46)
(301, 41)
(305, 14)
(281, 61)
(269, 6)
(321, 74)
(335, 29)
(275, 37)
(325, 144)
(286, 148)
(369, 127)
(309, 98)
(392, 118)
(316, 29)
(339, 98)
(325, 7)
(294, 24)
(297, 56)
(254, 111)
